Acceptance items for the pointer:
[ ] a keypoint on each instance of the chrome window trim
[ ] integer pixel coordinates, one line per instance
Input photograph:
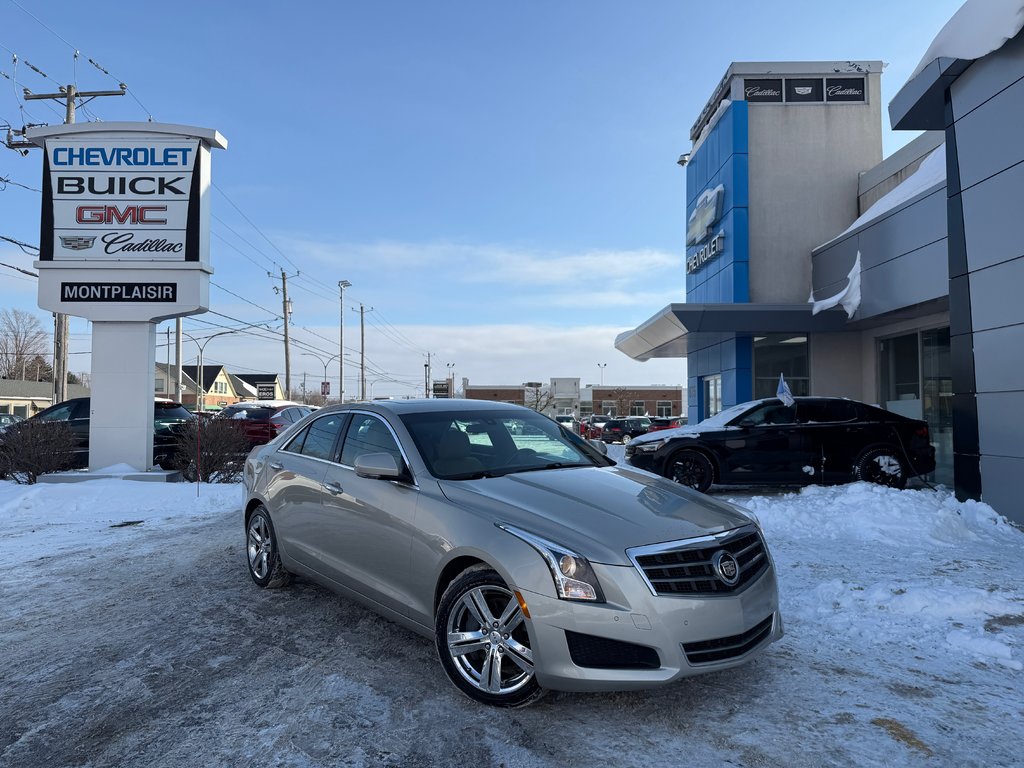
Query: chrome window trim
(697, 543)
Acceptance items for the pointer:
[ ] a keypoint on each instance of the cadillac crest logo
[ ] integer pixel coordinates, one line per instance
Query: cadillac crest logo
(725, 567)
(77, 243)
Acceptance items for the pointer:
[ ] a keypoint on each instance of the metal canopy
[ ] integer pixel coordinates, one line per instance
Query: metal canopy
(670, 332)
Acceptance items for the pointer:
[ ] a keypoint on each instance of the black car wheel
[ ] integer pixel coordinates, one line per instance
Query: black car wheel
(481, 638)
(261, 548)
(882, 466)
(692, 469)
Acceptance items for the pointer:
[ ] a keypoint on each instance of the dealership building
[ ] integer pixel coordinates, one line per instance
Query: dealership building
(894, 281)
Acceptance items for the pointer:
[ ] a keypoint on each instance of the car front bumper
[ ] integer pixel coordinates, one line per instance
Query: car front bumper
(678, 629)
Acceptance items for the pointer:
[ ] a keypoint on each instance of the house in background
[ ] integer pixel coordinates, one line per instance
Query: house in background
(27, 398)
(263, 381)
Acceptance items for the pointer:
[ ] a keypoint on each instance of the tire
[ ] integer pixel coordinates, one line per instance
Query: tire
(492, 667)
(262, 554)
(881, 466)
(626, 439)
(692, 469)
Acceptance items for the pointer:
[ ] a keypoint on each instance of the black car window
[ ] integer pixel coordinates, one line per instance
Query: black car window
(770, 413)
(368, 434)
(170, 411)
(60, 413)
(825, 412)
(319, 438)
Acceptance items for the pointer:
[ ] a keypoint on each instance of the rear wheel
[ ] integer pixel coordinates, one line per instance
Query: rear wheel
(881, 466)
(481, 637)
(626, 439)
(692, 469)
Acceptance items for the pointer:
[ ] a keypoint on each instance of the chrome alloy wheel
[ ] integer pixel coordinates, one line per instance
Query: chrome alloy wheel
(259, 546)
(488, 642)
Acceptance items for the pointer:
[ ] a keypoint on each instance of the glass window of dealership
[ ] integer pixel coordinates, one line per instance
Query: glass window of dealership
(785, 157)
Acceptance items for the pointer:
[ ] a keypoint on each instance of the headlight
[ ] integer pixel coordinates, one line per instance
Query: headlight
(650, 447)
(574, 577)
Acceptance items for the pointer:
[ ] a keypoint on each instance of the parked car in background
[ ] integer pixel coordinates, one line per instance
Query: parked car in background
(262, 421)
(816, 440)
(168, 419)
(9, 420)
(532, 561)
(570, 422)
(624, 430)
(592, 428)
(671, 422)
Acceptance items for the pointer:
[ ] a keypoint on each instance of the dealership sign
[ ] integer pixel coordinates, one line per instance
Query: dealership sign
(124, 226)
(126, 198)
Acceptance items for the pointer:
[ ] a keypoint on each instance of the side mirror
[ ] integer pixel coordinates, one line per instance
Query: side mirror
(748, 423)
(378, 466)
(599, 446)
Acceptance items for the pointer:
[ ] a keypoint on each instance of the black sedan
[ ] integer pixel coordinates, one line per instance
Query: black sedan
(816, 440)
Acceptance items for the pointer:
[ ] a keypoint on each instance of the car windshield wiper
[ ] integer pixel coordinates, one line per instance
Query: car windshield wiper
(488, 473)
(552, 465)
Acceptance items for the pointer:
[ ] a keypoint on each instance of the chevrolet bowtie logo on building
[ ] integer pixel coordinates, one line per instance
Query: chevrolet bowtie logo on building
(77, 243)
(705, 213)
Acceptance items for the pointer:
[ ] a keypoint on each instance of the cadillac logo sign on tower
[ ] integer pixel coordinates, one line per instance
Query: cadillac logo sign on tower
(122, 199)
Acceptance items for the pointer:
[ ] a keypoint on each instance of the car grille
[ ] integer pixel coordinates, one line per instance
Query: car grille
(725, 648)
(686, 570)
(602, 653)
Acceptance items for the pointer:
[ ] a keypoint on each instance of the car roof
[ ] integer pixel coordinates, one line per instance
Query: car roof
(433, 405)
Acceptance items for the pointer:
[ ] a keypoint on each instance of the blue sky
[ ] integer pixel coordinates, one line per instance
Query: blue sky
(498, 181)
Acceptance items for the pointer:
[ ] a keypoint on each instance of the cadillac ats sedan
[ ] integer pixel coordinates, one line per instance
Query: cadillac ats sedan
(530, 559)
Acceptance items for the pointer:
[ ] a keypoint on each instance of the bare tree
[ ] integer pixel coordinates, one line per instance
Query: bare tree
(624, 398)
(21, 340)
(538, 398)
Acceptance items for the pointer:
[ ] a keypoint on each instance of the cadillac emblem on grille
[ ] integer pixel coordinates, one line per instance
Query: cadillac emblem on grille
(77, 243)
(725, 567)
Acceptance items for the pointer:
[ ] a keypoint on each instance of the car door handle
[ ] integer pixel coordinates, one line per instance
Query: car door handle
(276, 465)
(334, 488)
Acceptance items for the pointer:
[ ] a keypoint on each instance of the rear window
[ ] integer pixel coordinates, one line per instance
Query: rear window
(257, 414)
(170, 411)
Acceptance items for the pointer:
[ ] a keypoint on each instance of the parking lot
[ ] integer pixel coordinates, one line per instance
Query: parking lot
(147, 645)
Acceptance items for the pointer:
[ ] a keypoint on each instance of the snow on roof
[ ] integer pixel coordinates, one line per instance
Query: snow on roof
(977, 29)
(931, 173)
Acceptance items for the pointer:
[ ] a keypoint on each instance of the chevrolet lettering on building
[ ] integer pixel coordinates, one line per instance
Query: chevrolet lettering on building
(709, 251)
(166, 292)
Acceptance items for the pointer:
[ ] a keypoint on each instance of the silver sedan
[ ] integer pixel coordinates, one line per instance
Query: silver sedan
(531, 559)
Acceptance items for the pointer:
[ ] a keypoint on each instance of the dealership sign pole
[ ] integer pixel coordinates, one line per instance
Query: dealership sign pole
(124, 242)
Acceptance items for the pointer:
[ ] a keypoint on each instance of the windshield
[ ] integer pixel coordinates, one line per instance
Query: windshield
(466, 445)
(722, 418)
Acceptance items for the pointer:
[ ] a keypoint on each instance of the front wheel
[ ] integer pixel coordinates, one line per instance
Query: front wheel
(481, 638)
(261, 549)
(881, 466)
(692, 469)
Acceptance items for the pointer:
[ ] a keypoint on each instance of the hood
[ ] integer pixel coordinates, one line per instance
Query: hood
(598, 512)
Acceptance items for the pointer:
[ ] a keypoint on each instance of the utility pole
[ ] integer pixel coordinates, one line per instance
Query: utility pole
(286, 311)
(67, 94)
(342, 285)
(426, 377)
(362, 353)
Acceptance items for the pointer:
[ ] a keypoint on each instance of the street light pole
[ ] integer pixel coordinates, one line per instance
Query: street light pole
(324, 363)
(201, 392)
(342, 285)
(602, 366)
(451, 379)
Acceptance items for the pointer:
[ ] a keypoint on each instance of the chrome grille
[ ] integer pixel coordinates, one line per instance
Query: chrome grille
(684, 567)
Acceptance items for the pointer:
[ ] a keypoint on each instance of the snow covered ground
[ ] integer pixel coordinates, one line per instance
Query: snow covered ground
(146, 644)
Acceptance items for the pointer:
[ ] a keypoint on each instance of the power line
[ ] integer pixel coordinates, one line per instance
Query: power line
(4, 180)
(251, 224)
(23, 246)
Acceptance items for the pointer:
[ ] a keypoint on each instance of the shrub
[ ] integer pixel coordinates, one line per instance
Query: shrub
(33, 448)
(211, 450)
